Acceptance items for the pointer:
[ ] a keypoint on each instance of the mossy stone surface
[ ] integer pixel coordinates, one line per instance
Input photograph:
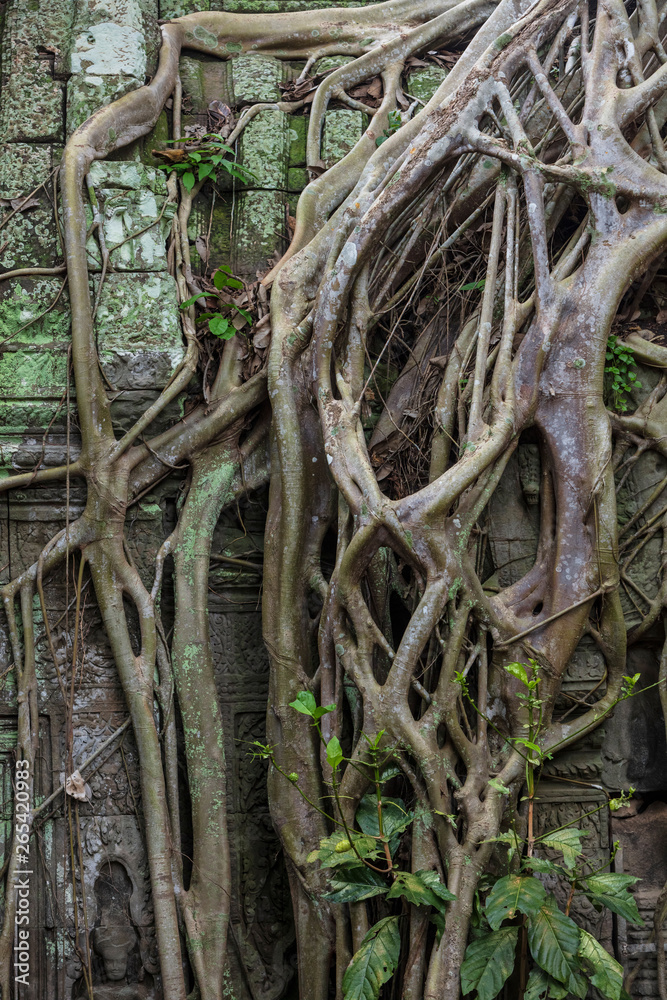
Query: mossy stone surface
(23, 312)
(138, 330)
(256, 78)
(131, 197)
(259, 231)
(216, 230)
(424, 81)
(265, 147)
(35, 43)
(86, 94)
(342, 131)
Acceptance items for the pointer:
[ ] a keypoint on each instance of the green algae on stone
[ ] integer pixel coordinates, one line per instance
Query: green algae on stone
(424, 81)
(131, 197)
(259, 231)
(342, 131)
(138, 330)
(31, 98)
(178, 8)
(216, 230)
(23, 316)
(265, 144)
(256, 78)
(87, 94)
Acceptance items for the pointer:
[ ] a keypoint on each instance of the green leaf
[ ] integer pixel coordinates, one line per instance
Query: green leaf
(541, 986)
(334, 753)
(192, 299)
(375, 961)
(304, 703)
(205, 170)
(512, 893)
(323, 710)
(329, 857)
(519, 671)
(567, 841)
(611, 891)
(222, 280)
(608, 974)
(395, 818)
(351, 885)
(553, 939)
(422, 888)
(498, 785)
(188, 179)
(488, 963)
(473, 285)
(221, 327)
(543, 865)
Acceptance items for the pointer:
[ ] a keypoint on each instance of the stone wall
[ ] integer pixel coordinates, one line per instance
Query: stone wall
(61, 59)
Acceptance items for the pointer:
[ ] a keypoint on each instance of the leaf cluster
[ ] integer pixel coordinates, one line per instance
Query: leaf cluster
(204, 162)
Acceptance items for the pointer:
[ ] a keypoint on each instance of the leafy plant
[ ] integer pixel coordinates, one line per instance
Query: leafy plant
(514, 915)
(620, 374)
(393, 124)
(204, 161)
(220, 325)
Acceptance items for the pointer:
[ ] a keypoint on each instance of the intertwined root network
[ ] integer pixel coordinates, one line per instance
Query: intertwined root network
(482, 249)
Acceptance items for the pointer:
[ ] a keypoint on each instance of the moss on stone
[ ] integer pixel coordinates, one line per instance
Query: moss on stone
(342, 131)
(256, 78)
(259, 230)
(424, 81)
(265, 145)
(138, 330)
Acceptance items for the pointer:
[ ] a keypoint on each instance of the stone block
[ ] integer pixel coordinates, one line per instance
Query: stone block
(342, 131)
(138, 330)
(265, 146)
(86, 94)
(177, 8)
(256, 78)
(35, 40)
(216, 231)
(424, 81)
(33, 356)
(29, 237)
(204, 82)
(131, 197)
(259, 231)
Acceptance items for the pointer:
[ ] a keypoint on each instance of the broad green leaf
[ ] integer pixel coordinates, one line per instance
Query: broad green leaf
(334, 753)
(423, 888)
(608, 974)
(498, 785)
(351, 885)
(188, 179)
(375, 961)
(323, 710)
(553, 939)
(488, 963)
(567, 841)
(304, 703)
(329, 857)
(221, 327)
(519, 671)
(223, 280)
(205, 170)
(512, 893)
(395, 818)
(612, 891)
(543, 865)
(472, 285)
(541, 986)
